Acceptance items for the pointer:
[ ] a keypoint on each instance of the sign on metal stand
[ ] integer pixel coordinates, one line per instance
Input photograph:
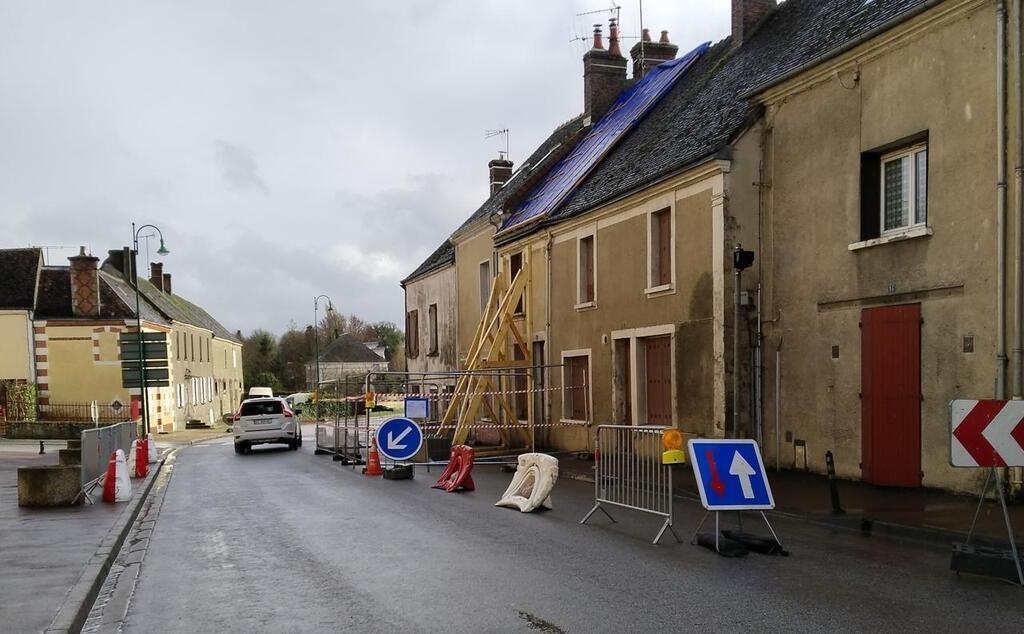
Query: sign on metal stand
(730, 476)
(399, 439)
(987, 434)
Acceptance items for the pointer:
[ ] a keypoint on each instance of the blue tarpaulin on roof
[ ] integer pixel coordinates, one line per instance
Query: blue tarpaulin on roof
(630, 107)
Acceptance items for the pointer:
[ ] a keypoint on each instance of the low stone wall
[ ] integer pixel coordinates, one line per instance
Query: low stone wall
(49, 430)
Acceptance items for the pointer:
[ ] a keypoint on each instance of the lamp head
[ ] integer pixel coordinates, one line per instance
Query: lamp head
(162, 250)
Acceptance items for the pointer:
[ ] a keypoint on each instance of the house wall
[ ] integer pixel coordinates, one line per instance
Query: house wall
(15, 346)
(934, 74)
(470, 251)
(436, 288)
(206, 377)
(690, 312)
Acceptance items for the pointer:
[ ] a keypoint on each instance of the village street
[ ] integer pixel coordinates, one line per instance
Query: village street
(289, 541)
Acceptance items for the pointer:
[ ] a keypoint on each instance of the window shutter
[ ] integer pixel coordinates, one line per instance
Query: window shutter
(664, 248)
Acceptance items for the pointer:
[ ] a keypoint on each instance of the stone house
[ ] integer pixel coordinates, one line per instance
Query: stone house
(345, 357)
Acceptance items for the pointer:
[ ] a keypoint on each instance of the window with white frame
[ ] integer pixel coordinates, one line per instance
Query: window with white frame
(904, 186)
(585, 270)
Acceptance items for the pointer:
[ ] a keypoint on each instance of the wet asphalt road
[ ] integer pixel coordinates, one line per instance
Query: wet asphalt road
(284, 541)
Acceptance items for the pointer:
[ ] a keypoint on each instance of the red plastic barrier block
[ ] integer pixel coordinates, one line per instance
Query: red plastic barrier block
(457, 474)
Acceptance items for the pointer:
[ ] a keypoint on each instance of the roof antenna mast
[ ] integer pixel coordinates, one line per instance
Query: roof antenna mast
(490, 134)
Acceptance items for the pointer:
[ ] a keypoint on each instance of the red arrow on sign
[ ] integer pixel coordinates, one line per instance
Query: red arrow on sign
(987, 433)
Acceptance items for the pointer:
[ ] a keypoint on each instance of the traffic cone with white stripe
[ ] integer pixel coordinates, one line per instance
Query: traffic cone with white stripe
(110, 480)
(373, 461)
(141, 458)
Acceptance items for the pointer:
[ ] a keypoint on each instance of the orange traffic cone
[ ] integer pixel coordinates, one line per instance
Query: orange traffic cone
(373, 461)
(142, 458)
(110, 480)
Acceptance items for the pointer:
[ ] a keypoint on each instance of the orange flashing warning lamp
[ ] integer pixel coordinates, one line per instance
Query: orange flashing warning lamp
(672, 441)
(370, 400)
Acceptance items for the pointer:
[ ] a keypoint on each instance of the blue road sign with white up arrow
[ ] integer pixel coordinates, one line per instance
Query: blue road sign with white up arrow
(730, 475)
(399, 438)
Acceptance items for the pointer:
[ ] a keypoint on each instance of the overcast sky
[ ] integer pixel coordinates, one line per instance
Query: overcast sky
(286, 149)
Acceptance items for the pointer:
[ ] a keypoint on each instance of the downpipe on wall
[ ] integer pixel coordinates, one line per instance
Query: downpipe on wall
(1001, 199)
(1018, 317)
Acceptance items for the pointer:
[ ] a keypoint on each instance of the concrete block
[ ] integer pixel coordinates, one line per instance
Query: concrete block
(75, 444)
(69, 457)
(49, 485)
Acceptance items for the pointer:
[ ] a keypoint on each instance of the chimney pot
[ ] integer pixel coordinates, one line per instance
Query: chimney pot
(167, 283)
(747, 15)
(646, 54)
(85, 284)
(500, 171)
(646, 35)
(604, 75)
(613, 38)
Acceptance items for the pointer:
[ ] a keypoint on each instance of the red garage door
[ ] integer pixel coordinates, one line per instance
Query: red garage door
(891, 395)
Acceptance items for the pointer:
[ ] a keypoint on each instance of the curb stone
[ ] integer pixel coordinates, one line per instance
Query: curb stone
(78, 601)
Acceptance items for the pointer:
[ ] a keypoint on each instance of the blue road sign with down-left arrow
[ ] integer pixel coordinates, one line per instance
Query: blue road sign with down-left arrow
(730, 475)
(399, 438)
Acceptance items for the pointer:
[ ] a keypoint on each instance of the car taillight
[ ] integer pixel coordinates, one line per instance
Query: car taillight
(237, 415)
(288, 413)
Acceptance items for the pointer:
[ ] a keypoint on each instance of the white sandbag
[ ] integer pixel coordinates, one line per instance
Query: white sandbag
(152, 449)
(122, 483)
(532, 483)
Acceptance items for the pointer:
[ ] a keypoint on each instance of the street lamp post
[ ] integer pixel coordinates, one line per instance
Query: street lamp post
(316, 347)
(138, 316)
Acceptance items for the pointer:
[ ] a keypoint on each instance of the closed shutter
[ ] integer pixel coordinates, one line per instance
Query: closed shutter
(658, 354)
(664, 248)
(578, 384)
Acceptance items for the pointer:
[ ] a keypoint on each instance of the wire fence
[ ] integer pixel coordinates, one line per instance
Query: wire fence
(20, 410)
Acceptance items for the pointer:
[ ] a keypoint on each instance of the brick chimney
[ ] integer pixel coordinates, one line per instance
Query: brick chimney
(647, 54)
(747, 16)
(167, 283)
(85, 285)
(156, 274)
(604, 73)
(500, 170)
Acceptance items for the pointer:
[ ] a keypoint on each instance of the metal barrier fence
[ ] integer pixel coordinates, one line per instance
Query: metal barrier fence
(99, 443)
(630, 474)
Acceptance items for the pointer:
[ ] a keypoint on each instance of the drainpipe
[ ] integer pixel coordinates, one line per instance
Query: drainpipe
(547, 321)
(1018, 217)
(1001, 198)
(1018, 323)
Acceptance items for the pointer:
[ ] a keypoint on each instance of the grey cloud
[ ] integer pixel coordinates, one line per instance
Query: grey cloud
(239, 168)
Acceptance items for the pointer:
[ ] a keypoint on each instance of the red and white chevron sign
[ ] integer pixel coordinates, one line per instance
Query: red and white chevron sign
(987, 433)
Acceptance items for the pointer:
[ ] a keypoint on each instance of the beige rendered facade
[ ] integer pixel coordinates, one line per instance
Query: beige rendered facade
(16, 346)
(925, 90)
(432, 299)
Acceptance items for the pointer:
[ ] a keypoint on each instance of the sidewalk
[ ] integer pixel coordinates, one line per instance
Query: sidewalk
(190, 436)
(43, 552)
(925, 514)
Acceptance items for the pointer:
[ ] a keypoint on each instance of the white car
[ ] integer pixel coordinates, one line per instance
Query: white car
(265, 420)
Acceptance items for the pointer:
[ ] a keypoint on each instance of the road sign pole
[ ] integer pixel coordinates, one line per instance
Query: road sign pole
(1009, 527)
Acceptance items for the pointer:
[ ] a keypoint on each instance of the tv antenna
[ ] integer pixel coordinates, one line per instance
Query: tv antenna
(490, 134)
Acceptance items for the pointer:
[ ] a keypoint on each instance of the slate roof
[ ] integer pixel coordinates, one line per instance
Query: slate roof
(117, 299)
(348, 349)
(706, 109)
(170, 305)
(19, 269)
(444, 255)
(547, 154)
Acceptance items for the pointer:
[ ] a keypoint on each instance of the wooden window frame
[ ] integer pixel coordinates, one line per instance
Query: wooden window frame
(582, 301)
(412, 334)
(654, 285)
(520, 309)
(567, 411)
(432, 343)
(910, 153)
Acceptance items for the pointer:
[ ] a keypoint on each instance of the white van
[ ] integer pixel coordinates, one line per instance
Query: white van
(261, 392)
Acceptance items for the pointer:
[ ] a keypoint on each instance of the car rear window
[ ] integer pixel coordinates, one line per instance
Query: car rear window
(261, 408)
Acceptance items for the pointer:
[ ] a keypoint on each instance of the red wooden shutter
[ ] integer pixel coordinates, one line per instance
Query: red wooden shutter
(658, 353)
(664, 247)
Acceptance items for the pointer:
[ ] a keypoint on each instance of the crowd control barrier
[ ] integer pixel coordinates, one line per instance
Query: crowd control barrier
(630, 473)
(98, 444)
